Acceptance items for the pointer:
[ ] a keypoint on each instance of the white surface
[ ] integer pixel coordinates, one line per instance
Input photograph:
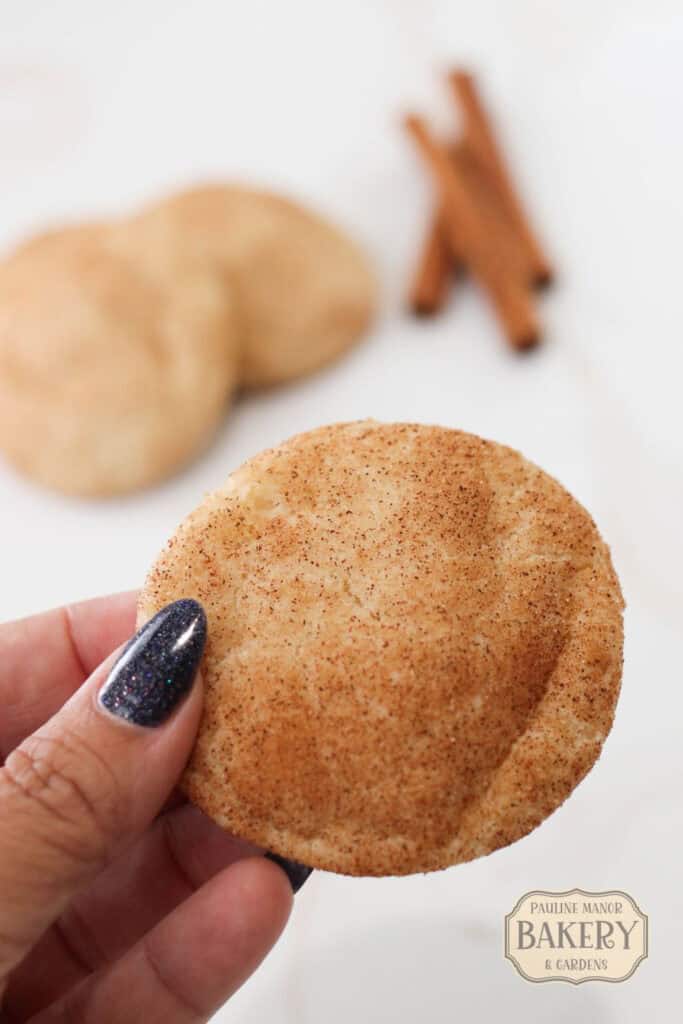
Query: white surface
(102, 106)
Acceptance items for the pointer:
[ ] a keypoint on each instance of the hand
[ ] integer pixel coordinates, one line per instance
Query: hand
(119, 901)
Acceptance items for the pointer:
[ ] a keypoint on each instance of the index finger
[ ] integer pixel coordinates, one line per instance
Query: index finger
(45, 658)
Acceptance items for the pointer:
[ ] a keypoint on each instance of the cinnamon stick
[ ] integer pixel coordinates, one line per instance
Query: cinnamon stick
(436, 266)
(434, 272)
(481, 140)
(465, 230)
(493, 219)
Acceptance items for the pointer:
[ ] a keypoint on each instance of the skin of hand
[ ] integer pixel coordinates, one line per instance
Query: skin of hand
(119, 901)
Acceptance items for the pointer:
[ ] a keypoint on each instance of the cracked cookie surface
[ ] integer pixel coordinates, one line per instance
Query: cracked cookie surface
(414, 647)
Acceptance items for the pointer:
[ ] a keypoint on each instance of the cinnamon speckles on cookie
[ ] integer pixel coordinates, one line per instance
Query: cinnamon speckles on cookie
(414, 646)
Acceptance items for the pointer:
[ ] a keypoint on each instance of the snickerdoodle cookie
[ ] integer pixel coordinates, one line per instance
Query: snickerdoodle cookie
(415, 646)
(113, 370)
(305, 292)
(52, 239)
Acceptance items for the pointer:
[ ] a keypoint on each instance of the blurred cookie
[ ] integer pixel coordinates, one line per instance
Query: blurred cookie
(415, 646)
(53, 238)
(306, 292)
(113, 371)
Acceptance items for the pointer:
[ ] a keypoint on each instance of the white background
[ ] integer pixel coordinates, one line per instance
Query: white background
(102, 106)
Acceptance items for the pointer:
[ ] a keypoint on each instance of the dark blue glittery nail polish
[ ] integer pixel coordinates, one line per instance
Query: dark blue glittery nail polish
(296, 873)
(158, 666)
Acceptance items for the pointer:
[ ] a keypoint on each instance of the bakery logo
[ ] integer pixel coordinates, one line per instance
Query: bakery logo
(576, 936)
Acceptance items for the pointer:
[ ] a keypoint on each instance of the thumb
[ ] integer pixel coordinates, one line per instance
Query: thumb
(95, 774)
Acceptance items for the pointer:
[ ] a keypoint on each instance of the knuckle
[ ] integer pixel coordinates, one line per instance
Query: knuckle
(68, 792)
(169, 987)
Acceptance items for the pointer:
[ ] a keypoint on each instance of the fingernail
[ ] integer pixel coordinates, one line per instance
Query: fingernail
(158, 665)
(296, 873)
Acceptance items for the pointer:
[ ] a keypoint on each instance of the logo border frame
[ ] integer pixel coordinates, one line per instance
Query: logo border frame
(582, 892)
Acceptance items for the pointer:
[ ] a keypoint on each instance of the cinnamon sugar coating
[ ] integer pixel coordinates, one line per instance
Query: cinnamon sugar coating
(414, 646)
